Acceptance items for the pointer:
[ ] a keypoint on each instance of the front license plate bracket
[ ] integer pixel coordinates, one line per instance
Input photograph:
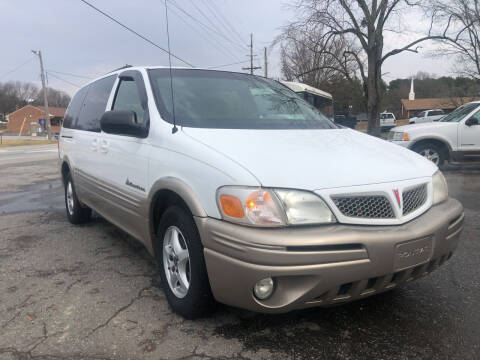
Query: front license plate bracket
(412, 253)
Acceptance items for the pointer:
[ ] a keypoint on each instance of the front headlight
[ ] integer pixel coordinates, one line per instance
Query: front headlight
(440, 188)
(399, 136)
(272, 207)
(303, 207)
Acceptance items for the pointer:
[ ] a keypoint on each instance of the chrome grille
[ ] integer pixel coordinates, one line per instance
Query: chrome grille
(371, 206)
(414, 198)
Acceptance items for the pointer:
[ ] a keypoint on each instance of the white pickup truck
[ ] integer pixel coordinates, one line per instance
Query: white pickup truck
(427, 116)
(456, 137)
(387, 120)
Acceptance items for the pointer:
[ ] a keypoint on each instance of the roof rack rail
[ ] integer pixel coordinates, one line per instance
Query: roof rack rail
(126, 66)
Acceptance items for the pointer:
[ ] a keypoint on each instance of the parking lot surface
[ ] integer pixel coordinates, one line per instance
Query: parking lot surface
(90, 292)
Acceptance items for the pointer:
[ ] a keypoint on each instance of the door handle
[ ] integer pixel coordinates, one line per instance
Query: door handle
(94, 145)
(104, 146)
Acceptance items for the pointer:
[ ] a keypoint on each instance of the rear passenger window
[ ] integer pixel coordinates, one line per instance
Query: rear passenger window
(128, 98)
(95, 104)
(73, 109)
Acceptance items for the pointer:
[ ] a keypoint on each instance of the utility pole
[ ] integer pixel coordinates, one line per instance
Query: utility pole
(45, 95)
(251, 68)
(265, 67)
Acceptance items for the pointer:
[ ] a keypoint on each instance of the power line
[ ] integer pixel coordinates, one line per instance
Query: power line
(207, 17)
(136, 33)
(70, 74)
(62, 79)
(225, 65)
(205, 26)
(17, 68)
(217, 45)
(222, 19)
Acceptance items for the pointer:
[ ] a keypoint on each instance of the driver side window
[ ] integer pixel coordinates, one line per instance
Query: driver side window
(476, 117)
(128, 98)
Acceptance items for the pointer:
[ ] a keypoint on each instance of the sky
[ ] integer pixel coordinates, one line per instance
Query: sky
(77, 40)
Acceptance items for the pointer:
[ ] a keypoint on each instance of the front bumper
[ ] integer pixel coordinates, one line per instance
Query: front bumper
(402, 143)
(323, 265)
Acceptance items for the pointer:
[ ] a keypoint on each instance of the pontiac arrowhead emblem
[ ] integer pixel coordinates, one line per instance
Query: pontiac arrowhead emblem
(397, 196)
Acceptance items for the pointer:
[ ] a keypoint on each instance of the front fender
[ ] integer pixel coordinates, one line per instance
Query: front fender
(181, 189)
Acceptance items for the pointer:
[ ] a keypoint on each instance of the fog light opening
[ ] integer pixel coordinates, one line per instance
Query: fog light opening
(264, 288)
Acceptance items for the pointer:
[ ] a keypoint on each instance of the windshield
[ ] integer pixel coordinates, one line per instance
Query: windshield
(460, 112)
(217, 99)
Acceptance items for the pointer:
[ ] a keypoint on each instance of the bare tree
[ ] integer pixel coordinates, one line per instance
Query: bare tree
(56, 98)
(15, 94)
(305, 57)
(332, 68)
(462, 21)
(361, 25)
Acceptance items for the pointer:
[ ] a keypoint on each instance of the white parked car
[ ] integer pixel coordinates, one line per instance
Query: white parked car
(456, 137)
(387, 120)
(427, 116)
(246, 194)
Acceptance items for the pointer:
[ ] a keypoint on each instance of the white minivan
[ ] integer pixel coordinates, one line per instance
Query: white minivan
(247, 195)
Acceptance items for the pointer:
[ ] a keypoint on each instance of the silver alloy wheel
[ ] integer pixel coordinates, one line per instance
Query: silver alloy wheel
(70, 198)
(176, 261)
(431, 155)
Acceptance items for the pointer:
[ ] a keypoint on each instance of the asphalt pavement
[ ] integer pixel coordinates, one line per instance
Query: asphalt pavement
(90, 292)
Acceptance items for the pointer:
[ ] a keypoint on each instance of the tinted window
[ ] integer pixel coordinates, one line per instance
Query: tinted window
(128, 98)
(227, 100)
(436, 112)
(476, 116)
(73, 109)
(95, 104)
(460, 112)
(422, 114)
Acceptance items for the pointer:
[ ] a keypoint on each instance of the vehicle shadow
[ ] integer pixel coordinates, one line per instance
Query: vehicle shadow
(402, 324)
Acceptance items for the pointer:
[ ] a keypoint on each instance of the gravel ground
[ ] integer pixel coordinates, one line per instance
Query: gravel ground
(89, 292)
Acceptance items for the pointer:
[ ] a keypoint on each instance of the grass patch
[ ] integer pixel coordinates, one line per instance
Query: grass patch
(22, 142)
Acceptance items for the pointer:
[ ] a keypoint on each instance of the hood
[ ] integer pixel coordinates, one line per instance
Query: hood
(422, 126)
(314, 159)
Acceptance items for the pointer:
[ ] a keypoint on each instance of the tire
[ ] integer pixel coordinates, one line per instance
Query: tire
(76, 212)
(184, 280)
(432, 152)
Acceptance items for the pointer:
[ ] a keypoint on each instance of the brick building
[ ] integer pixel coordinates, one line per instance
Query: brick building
(411, 108)
(30, 120)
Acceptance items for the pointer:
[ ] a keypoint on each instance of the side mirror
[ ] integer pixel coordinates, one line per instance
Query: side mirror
(122, 122)
(472, 121)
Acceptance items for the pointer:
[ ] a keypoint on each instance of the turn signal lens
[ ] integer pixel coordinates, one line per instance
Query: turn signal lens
(250, 206)
(405, 137)
(261, 209)
(231, 206)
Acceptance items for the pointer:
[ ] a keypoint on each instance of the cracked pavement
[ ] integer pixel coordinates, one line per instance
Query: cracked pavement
(90, 292)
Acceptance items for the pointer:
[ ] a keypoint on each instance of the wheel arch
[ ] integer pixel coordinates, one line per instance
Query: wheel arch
(436, 140)
(167, 192)
(65, 168)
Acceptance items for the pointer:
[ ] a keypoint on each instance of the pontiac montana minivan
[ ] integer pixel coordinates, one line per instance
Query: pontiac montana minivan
(247, 195)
